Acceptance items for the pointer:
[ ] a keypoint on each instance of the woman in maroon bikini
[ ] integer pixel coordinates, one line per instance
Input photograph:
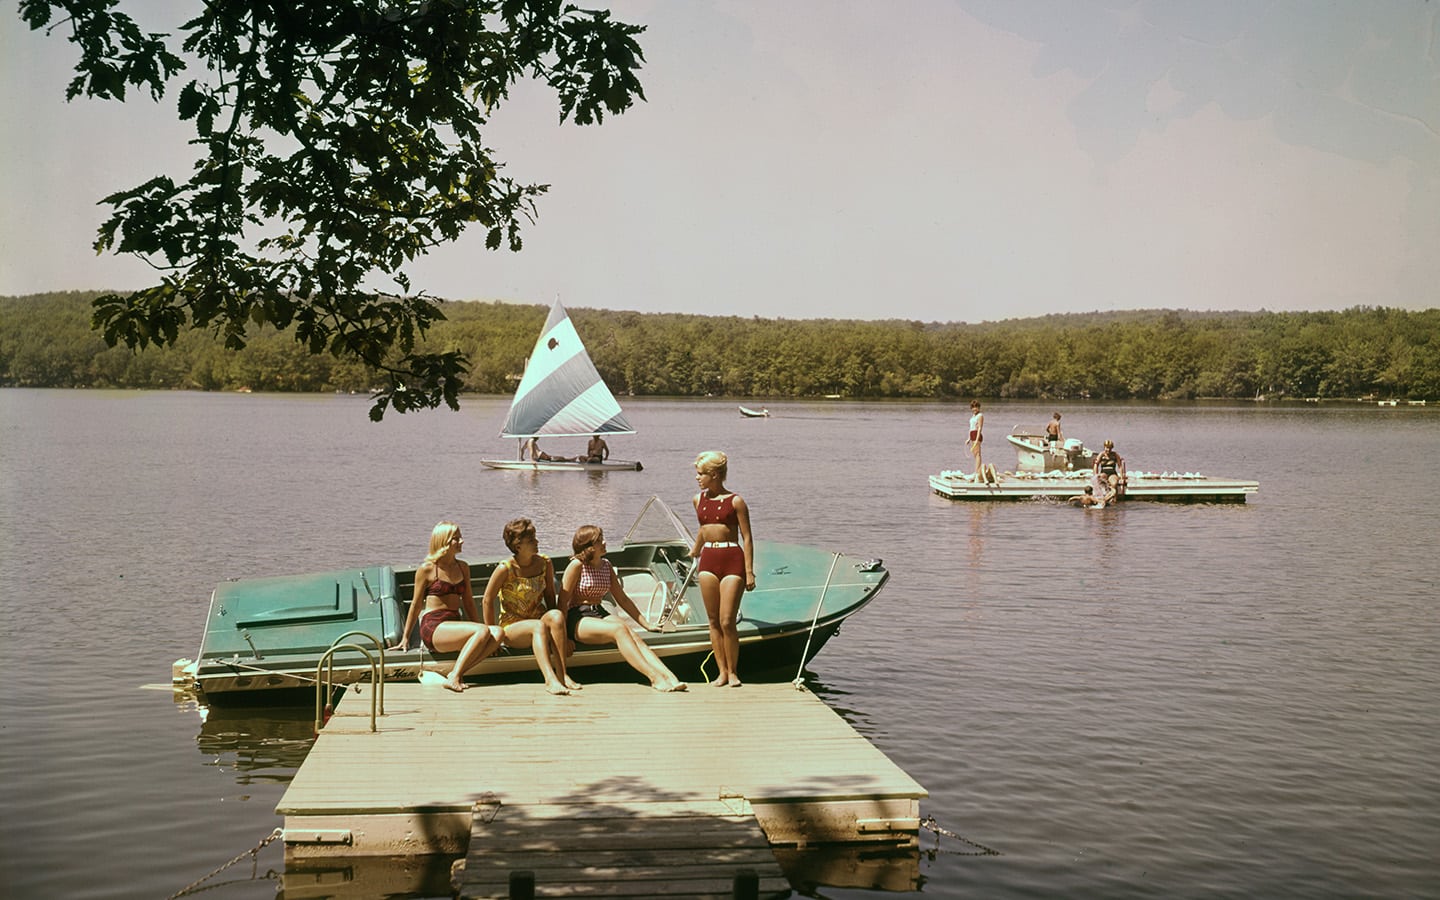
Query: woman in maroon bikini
(442, 589)
(727, 560)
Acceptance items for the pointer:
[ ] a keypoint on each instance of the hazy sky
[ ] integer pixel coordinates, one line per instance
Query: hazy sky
(940, 160)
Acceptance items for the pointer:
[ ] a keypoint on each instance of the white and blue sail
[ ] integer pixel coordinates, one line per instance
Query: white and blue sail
(561, 393)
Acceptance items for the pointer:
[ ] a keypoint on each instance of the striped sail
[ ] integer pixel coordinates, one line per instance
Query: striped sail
(561, 393)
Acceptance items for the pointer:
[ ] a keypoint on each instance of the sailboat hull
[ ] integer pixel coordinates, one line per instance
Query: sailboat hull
(553, 465)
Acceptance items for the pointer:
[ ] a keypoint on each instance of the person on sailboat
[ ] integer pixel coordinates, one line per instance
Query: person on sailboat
(520, 598)
(442, 589)
(538, 455)
(726, 552)
(587, 579)
(597, 451)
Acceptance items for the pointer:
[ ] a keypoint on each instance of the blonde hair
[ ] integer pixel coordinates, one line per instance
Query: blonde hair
(586, 536)
(440, 539)
(713, 462)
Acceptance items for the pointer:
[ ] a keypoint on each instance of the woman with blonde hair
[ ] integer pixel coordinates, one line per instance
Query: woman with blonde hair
(726, 567)
(449, 622)
(587, 579)
(520, 598)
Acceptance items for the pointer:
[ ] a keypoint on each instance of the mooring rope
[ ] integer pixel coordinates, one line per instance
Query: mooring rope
(929, 822)
(253, 852)
(799, 681)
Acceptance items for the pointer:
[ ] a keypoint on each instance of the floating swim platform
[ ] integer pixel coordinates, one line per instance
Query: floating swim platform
(1175, 487)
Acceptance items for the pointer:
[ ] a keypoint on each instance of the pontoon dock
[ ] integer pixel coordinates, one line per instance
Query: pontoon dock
(510, 769)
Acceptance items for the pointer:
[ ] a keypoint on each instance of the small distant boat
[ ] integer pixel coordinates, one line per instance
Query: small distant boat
(1388, 402)
(561, 394)
(761, 413)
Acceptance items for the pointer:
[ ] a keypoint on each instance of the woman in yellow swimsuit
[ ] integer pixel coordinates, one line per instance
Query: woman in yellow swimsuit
(520, 598)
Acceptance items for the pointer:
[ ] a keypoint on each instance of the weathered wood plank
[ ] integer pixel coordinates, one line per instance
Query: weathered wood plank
(667, 850)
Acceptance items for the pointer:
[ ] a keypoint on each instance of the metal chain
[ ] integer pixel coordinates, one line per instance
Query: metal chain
(253, 852)
(929, 822)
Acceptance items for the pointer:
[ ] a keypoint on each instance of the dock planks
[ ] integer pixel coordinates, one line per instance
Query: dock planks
(764, 751)
(672, 850)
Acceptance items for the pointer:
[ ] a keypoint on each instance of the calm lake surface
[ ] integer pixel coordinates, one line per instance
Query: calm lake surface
(1149, 701)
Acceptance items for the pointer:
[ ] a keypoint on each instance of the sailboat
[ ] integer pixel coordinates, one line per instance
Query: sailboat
(562, 395)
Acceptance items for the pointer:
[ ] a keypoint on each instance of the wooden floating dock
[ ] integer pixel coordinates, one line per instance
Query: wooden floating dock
(1175, 488)
(650, 850)
(616, 777)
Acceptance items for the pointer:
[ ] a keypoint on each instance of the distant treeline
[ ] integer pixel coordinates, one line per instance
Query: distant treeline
(46, 341)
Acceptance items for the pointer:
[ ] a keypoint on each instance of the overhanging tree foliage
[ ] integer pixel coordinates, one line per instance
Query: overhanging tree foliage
(340, 140)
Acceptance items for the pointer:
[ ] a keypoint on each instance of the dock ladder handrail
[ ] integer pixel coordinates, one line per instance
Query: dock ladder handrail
(322, 682)
(380, 649)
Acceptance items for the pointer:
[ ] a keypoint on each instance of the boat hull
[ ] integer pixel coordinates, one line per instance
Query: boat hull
(1034, 454)
(555, 465)
(265, 637)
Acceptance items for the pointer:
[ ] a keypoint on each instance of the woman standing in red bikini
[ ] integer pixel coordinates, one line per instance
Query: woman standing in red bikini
(442, 589)
(727, 560)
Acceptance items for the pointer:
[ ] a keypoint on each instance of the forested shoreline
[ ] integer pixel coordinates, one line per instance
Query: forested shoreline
(46, 341)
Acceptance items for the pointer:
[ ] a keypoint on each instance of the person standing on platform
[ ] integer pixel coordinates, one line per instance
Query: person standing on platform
(976, 438)
(726, 567)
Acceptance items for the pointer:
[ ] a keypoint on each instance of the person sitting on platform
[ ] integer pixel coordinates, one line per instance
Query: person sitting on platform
(587, 579)
(1110, 469)
(449, 623)
(520, 598)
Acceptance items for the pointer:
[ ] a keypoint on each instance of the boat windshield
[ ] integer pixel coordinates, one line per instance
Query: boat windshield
(657, 524)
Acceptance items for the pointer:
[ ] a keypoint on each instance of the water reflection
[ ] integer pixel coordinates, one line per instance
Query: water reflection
(260, 744)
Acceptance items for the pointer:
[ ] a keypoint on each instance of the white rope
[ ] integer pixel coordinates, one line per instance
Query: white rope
(799, 681)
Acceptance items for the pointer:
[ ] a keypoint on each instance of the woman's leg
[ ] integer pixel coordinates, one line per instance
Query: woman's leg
(710, 593)
(732, 590)
(532, 633)
(553, 623)
(474, 642)
(640, 657)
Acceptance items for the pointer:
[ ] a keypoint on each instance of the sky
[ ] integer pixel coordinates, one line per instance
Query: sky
(931, 160)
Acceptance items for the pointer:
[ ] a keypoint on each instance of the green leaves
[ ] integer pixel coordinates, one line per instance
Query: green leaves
(339, 141)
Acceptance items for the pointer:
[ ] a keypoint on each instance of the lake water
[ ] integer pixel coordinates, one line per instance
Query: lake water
(1149, 701)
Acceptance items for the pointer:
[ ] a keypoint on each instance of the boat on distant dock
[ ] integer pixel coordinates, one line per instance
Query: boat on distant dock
(1035, 454)
(266, 637)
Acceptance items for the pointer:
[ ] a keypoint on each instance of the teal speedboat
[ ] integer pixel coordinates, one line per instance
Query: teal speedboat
(267, 636)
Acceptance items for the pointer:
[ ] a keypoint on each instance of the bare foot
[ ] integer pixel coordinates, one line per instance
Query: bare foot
(557, 689)
(456, 686)
(572, 684)
(679, 686)
(734, 681)
(720, 682)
